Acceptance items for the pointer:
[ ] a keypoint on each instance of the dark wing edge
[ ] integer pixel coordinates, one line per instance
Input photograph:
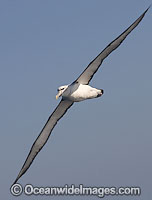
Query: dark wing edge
(92, 68)
(41, 140)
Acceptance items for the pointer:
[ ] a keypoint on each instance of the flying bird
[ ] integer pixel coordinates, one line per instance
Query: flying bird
(79, 90)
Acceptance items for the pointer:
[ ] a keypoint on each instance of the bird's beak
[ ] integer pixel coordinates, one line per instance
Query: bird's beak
(58, 95)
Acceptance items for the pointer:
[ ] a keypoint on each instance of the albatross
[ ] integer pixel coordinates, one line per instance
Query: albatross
(78, 91)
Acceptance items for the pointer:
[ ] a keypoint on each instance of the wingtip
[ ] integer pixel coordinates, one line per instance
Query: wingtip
(145, 11)
(147, 8)
(15, 180)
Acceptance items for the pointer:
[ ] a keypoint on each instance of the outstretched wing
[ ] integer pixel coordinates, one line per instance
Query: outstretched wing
(92, 68)
(60, 110)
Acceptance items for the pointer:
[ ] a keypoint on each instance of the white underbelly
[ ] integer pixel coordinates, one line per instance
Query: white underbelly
(79, 92)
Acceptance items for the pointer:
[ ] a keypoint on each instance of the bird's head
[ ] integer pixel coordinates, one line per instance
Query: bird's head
(60, 90)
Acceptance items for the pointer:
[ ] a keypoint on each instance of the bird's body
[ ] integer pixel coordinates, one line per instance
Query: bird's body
(79, 90)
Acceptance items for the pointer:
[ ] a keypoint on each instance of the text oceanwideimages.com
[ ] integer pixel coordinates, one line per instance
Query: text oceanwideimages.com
(68, 190)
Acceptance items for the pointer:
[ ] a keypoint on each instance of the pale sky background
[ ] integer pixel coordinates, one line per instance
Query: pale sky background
(101, 142)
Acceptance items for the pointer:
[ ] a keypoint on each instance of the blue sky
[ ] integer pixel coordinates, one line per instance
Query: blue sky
(100, 142)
